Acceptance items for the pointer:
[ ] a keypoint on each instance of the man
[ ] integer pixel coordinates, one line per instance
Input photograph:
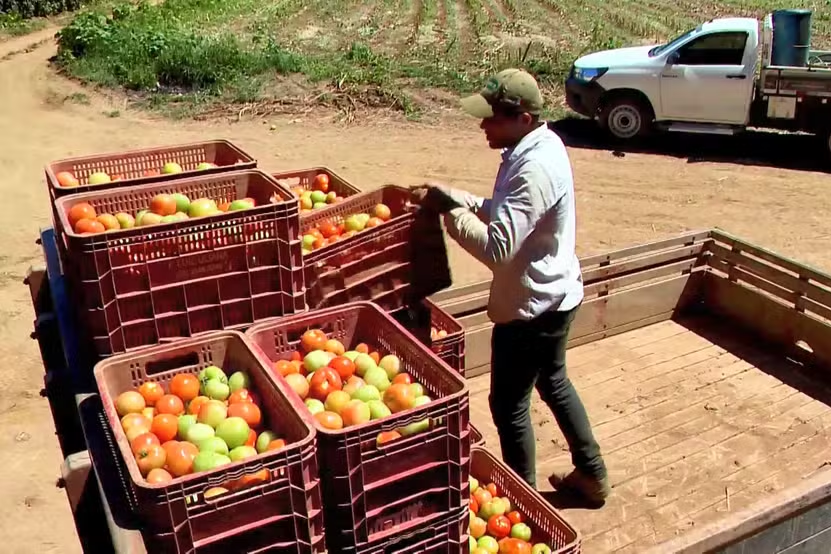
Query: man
(526, 235)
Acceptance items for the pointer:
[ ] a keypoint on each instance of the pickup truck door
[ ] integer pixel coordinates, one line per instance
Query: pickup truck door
(709, 79)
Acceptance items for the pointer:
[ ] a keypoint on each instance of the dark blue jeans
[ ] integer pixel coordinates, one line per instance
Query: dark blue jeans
(525, 354)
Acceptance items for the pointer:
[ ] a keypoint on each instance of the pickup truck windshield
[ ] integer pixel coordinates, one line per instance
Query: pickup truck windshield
(658, 49)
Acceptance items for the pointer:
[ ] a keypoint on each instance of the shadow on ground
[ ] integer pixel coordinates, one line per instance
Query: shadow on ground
(756, 148)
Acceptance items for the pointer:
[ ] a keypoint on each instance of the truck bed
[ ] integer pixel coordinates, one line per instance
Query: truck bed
(705, 365)
(696, 421)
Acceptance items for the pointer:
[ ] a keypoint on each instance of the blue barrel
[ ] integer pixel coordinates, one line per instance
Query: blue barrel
(791, 37)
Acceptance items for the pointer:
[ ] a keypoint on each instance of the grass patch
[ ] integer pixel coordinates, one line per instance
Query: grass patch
(13, 25)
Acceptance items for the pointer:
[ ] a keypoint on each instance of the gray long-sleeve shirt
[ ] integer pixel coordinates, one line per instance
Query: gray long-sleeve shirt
(525, 233)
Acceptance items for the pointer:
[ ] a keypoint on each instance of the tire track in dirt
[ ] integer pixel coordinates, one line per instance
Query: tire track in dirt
(27, 43)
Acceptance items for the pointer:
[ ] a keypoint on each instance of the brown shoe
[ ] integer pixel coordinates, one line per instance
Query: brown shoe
(590, 488)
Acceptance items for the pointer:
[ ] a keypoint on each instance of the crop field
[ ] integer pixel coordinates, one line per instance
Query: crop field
(392, 53)
(401, 54)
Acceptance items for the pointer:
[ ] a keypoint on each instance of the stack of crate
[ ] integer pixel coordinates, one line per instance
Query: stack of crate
(172, 291)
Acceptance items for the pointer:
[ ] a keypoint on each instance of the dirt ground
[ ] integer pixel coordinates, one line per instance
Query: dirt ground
(622, 200)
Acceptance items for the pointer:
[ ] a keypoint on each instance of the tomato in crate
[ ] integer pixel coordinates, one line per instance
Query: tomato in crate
(136, 167)
(371, 247)
(510, 515)
(218, 458)
(316, 189)
(392, 420)
(188, 256)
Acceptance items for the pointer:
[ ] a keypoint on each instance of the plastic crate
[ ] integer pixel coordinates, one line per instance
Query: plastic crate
(304, 178)
(476, 438)
(449, 536)
(282, 513)
(421, 318)
(547, 525)
(131, 165)
(397, 263)
(371, 492)
(140, 286)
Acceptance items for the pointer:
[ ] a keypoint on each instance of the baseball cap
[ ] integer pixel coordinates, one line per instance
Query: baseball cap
(513, 89)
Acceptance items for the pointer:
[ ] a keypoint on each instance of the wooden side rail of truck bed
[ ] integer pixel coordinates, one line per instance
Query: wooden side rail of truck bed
(788, 302)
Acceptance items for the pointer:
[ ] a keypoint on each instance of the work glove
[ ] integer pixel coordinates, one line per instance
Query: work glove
(432, 198)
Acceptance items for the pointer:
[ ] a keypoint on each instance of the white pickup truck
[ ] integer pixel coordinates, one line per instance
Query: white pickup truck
(717, 78)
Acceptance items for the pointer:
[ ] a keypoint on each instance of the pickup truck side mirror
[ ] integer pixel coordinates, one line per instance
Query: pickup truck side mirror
(673, 58)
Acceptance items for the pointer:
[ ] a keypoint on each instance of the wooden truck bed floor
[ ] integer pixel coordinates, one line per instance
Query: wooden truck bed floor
(696, 421)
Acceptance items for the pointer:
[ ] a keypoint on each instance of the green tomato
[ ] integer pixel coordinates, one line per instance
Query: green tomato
(541, 548)
(488, 544)
(521, 531)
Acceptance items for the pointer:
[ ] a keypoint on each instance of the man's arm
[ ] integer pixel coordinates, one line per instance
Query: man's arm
(497, 242)
(476, 204)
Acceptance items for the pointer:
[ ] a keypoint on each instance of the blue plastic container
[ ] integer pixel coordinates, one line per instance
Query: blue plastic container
(791, 37)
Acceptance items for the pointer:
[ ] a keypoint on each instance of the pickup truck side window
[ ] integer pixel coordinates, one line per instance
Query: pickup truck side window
(714, 49)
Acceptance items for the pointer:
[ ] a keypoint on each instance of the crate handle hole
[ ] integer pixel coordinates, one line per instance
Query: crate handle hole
(160, 366)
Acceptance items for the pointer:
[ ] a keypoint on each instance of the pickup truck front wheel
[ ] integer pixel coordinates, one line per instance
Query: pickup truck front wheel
(626, 117)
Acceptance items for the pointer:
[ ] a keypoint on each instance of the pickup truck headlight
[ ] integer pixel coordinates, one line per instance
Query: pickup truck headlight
(589, 73)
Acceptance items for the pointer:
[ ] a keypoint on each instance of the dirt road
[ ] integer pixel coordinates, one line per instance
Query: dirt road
(621, 199)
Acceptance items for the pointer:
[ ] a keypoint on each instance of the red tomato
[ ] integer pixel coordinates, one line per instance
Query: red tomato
(285, 367)
(473, 505)
(143, 441)
(321, 182)
(328, 229)
(150, 457)
(491, 487)
(515, 517)
(402, 378)
(180, 458)
(362, 348)
(242, 395)
(376, 357)
(296, 356)
(165, 427)
(252, 437)
(387, 436)
(499, 526)
(482, 496)
(313, 339)
(185, 386)
(170, 404)
(319, 243)
(344, 366)
(514, 546)
(151, 392)
(196, 404)
(247, 411)
(324, 381)
(276, 444)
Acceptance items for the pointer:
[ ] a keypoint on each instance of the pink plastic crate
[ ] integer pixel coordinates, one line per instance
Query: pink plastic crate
(421, 318)
(140, 286)
(373, 493)
(547, 525)
(281, 512)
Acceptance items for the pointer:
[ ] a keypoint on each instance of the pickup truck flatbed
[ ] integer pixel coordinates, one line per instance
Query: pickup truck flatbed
(708, 412)
(704, 364)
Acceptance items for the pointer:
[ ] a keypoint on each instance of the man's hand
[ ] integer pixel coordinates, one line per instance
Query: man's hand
(430, 196)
